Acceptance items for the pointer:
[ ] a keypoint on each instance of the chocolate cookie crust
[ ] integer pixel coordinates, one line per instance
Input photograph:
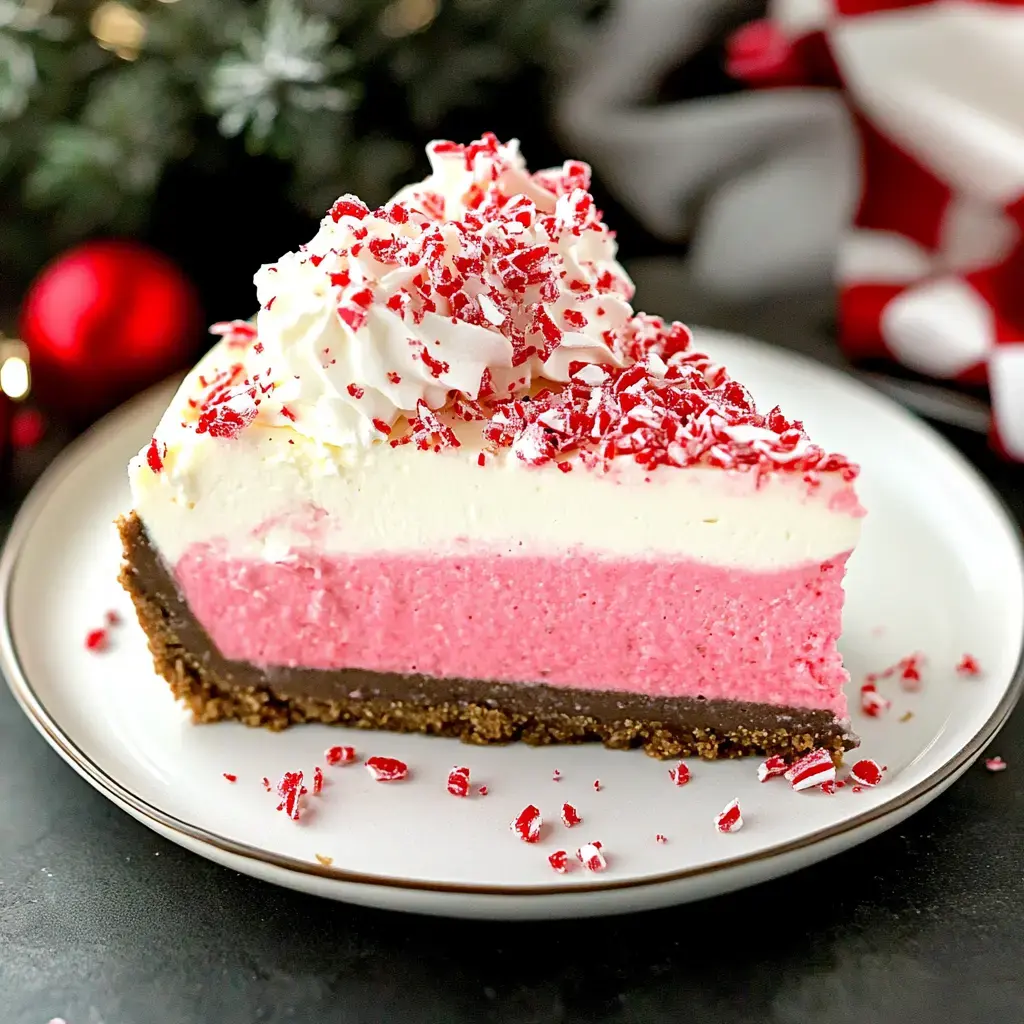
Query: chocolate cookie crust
(476, 711)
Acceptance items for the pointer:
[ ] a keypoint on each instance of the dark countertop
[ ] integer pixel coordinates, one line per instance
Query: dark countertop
(103, 922)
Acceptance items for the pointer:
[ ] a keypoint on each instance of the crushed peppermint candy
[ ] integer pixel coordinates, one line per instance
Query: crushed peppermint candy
(677, 412)
(113, 618)
(387, 769)
(238, 333)
(230, 401)
(527, 824)
(458, 781)
(528, 260)
(97, 640)
(230, 778)
(729, 819)
(680, 775)
(597, 785)
(769, 769)
(155, 455)
(968, 666)
(591, 856)
(556, 776)
(866, 773)
(482, 791)
(570, 816)
(659, 838)
(811, 770)
(829, 787)
(229, 413)
(907, 670)
(291, 790)
(266, 784)
(559, 860)
(872, 703)
(318, 780)
(995, 764)
(340, 755)
(910, 672)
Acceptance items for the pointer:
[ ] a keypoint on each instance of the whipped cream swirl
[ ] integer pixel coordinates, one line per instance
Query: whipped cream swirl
(480, 279)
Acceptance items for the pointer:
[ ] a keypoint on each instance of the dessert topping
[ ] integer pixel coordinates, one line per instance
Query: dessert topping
(97, 640)
(907, 669)
(866, 773)
(340, 755)
(387, 769)
(675, 412)
(155, 455)
(729, 819)
(458, 782)
(237, 333)
(995, 764)
(559, 860)
(811, 770)
(474, 286)
(291, 790)
(570, 816)
(968, 666)
(775, 765)
(591, 857)
(872, 703)
(680, 775)
(227, 410)
(527, 824)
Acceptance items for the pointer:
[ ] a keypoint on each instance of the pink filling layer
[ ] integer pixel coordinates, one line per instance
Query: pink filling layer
(665, 629)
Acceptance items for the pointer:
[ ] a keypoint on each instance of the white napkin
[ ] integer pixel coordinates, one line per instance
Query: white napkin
(881, 146)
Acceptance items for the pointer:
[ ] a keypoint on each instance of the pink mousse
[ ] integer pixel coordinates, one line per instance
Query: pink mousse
(663, 628)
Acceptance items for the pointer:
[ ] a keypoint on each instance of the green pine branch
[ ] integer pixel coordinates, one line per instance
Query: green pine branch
(87, 130)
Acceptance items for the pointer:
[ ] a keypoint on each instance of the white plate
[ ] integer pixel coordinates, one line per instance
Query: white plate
(939, 571)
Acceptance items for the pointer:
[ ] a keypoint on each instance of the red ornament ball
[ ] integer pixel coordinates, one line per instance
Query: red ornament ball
(103, 321)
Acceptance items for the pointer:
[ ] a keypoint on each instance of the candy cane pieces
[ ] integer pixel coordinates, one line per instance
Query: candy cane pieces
(811, 770)
(458, 781)
(771, 768)
(866, 773)
(591, 857)
(730, 819)
(527, 824)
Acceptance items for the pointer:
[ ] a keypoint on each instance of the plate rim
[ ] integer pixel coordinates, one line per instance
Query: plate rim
(50, 729)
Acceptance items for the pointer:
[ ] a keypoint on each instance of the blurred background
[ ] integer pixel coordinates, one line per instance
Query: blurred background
(843, 177)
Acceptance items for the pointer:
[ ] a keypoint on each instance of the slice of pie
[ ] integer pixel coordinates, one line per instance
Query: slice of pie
(449, 482)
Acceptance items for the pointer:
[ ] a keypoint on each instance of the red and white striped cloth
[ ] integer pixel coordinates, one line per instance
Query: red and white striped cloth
(932, 272)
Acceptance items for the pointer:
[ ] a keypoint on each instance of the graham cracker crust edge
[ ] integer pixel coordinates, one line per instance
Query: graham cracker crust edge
(210, 699)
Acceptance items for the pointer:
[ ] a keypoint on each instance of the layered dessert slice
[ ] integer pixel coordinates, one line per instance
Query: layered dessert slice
(448, 481)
